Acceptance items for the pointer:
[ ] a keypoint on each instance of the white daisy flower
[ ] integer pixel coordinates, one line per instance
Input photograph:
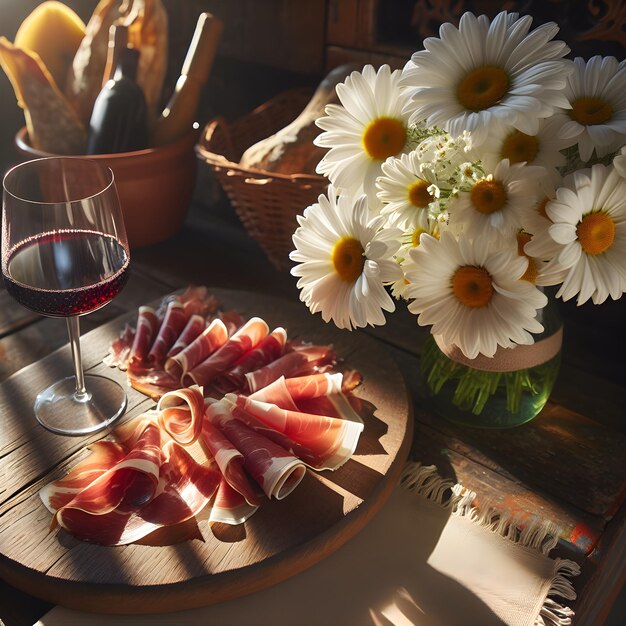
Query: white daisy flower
(534, 265)
(470, 292)
(596, 92)
(344, 261)
(542, 148)
(495, 203)
(366, 130)
(405, 192)
(484, 73)
(411, 238)
(587, 240)
(619, 162)
(535, 218)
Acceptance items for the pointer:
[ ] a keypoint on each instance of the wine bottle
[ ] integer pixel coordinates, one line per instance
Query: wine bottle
(118, 41)
(178, 116)
(119, 119)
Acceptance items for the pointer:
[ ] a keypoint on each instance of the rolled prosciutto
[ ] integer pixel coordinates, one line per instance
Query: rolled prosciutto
(229, 460)
(173, 323)
(230, 507)
(124, 487)
(152, 382)
(102, 457)
(244, 340)
(119, 350)
(286, 392)
(195, 325)
(304, 360)
(181, 413)
(205, 344)
(198, 301)
(145, 332)
(273, 468)
(323, 442)
(185, 488)
(268, 350)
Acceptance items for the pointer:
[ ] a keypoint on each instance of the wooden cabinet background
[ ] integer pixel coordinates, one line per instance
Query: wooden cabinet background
(270, 45)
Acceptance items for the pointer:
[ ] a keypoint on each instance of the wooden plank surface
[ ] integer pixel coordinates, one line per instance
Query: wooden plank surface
(220, 562)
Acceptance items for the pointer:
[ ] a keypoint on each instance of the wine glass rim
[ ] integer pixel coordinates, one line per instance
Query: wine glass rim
(98, 164)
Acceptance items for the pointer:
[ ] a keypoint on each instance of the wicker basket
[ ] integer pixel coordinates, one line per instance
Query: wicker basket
(266, 203)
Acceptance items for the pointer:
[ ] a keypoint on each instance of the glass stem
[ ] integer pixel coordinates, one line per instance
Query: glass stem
(73, 328)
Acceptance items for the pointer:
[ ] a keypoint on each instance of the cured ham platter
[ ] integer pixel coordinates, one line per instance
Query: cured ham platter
(324, 496)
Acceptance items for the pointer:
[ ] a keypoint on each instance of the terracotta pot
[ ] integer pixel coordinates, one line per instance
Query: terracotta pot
(154, 185)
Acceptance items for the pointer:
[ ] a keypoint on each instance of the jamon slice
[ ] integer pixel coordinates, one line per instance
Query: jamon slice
(198, 301)
(276, 393)
(322, 442)
(320, 394)
(270, 348)
(336, 405)
(185, 488)
(145, 333)
(300, 361)
(244, 340)
(195, 325)
(103, 456)
(232, 320)
(229, 506)
(286, 392)
(276, 471)
(181, 414)
(119, 351)
(173, 323)
(127, 485)
(205, 344)
(229, 460)
(152, 382)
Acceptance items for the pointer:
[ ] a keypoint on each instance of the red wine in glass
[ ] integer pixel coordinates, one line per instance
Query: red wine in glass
(67, 273)
(64, 254)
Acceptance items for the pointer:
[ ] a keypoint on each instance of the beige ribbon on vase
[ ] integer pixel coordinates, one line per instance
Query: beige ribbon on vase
(507, 359)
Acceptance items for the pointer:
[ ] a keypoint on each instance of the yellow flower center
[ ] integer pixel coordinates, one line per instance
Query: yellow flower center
(482, 88)
(384, 137)
(415, 238)
(532, 270)
(596, 232)
(488, 196)
(419, 196)
(348, 259)
(472, 286)
(519, 146)
(590, 111)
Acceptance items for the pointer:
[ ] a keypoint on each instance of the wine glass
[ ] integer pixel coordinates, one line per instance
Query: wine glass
(65, 254)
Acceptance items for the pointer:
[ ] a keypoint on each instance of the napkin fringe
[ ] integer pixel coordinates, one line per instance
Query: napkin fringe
(425, 481)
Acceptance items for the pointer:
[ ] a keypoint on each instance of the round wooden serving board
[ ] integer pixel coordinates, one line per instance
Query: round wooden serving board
(215, 562)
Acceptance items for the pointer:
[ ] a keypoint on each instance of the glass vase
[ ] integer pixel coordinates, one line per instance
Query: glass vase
(507, 390)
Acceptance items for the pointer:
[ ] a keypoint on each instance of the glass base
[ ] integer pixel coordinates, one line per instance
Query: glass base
(61, 410)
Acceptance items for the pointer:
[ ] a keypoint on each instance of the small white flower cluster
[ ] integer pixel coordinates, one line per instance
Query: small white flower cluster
(454, 170)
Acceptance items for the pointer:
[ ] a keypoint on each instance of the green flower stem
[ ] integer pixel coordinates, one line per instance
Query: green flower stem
(474, 388)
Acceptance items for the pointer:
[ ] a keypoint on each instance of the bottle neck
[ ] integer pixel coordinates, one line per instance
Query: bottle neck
(127, 64)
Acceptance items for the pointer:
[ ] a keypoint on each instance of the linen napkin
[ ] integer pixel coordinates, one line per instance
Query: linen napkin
(428, 558)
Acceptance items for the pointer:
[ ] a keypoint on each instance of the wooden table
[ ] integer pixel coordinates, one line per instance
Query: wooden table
(568, 465)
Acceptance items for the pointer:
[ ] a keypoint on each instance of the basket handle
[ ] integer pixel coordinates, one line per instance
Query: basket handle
(213, 128)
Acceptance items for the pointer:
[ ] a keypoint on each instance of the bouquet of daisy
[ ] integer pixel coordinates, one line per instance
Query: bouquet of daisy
(485, 169)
